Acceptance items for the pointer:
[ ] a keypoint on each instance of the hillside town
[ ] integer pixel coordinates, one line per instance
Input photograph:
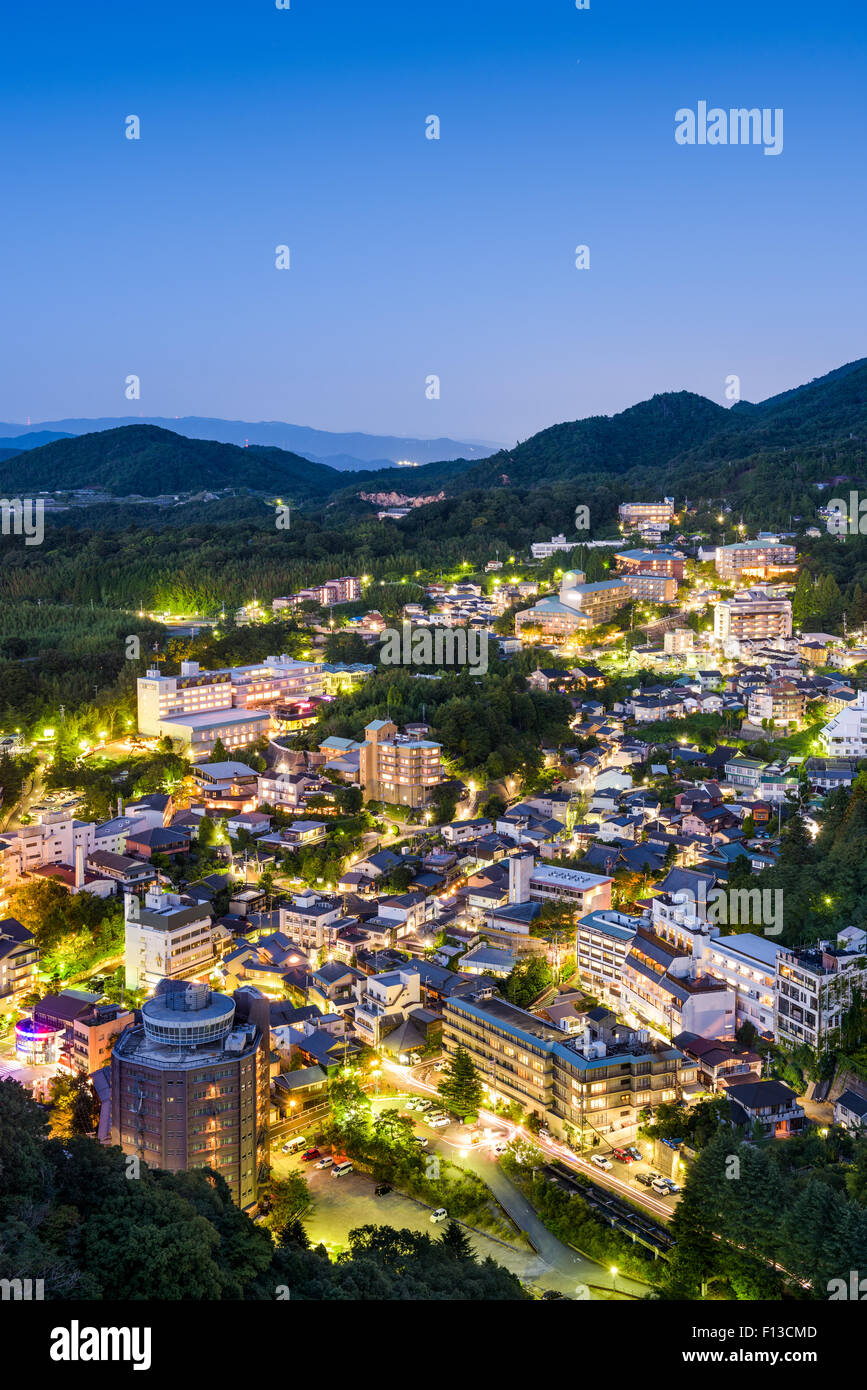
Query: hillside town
(304, 955)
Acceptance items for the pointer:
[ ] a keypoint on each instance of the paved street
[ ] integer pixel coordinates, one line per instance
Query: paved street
(537, 1256)
(621, 1178)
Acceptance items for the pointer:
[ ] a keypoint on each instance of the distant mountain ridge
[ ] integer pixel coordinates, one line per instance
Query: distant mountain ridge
(677, 442)
(679, 435)
(347, 451)
(33, 439)
(148, 461)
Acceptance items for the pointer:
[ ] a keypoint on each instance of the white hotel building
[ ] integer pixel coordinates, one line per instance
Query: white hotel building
(167, 938)
(748, 963)
(55, 839)
(233, 704)
(555, 883)
(602, 944)
(845, 736)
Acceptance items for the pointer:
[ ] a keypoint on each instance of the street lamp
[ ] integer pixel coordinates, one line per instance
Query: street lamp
(614, 1278)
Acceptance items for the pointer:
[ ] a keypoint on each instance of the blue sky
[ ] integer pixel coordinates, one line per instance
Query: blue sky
(412, 257)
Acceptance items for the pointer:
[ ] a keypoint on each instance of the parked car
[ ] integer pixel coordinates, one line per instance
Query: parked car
(636, 1153)
(326, 1162)
(438, 1121)
(424, 1104)
(544, 1134)
(673, 1186)
(645, 1179)
(411, 1104)
(439, 1215)
(382, 1190)
(309, 1154)
(340, 1169)
(622, 1155)
(298, 1142)
(601, 1161)
(660, 1185)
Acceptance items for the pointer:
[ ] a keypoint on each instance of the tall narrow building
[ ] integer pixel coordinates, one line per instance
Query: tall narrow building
(190, 1088)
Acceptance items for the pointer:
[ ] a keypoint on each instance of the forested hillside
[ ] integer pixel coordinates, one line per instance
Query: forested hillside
(147, 460)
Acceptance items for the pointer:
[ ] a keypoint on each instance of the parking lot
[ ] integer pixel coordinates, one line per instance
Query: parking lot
(637, 1173)
(342, 1204)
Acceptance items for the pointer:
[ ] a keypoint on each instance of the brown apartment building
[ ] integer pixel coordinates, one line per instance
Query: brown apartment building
(668, 562)
(395, 768)
(594, 1082)
(190, 1088)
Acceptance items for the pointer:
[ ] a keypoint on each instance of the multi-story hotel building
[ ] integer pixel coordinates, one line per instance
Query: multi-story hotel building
(752, 614)
(814, 987)
(346, 589)
(761, 559)
(747, 963)
(395, 768)
(845, 735)
(667, 562)
(72, 1030)
(664, 986)
(579, 606)
(635, 514)
(58, 840)
(678, 642)
(19, 960)
(653, 588)
(543, 550)
(235, 704)
(602, 944)
(383, 1002)
(594, 1082)
(168, 938)
(94, 1033)
(597, 602)
(780, 700)
(557, 883)
(190, 1089)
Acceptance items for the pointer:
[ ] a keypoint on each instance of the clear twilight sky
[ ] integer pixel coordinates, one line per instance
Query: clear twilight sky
(410, 256)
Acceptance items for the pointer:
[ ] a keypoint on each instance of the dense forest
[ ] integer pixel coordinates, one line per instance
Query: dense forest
(491, 726)
(147, 460)
(760, 1220)
(71, 1215)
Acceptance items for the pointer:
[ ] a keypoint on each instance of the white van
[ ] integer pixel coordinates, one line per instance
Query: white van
(661, 1186)
(439, 1215)
(340, 1168)
(299, 1142)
